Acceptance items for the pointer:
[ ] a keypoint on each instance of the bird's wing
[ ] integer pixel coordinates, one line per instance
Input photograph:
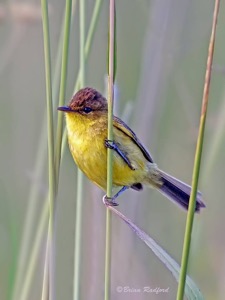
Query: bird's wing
(120, 125)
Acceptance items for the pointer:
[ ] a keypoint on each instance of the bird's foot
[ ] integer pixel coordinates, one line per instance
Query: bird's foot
(110, 144)
(109, 201)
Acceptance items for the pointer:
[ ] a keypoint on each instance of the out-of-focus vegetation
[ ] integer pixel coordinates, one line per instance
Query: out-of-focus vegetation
(161, 57)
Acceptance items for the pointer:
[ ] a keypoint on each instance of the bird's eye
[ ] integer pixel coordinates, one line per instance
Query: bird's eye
(87, 110)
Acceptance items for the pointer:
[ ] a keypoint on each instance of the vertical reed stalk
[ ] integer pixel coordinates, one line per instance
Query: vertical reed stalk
(51, 167)
(109, 151)
(197, 162)
(62, 92)
(78, 224)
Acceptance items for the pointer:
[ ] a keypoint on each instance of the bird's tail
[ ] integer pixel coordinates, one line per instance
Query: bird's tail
(178, 191)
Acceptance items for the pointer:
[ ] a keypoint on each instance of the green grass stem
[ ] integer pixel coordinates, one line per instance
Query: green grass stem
(79, 197)
(51, 167)
(62, 92)
(111, 62)
(197, 161)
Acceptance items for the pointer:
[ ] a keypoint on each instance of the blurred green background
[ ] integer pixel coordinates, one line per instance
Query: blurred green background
(161, 57)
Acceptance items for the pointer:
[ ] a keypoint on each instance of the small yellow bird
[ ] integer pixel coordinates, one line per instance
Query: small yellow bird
(133, 166)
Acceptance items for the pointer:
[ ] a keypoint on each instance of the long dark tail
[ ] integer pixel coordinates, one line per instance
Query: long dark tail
(179, 192)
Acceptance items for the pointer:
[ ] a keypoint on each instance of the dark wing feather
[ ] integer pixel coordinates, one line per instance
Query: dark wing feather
(120, 125)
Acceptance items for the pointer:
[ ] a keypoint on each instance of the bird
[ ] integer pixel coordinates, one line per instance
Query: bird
(133, 166)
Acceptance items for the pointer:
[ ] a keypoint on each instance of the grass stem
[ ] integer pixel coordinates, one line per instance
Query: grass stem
(79, 198)
(51, 167)
(62, 92)
(197, 161)
(109, 151)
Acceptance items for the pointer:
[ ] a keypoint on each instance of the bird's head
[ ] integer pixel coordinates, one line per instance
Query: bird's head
(86, 101)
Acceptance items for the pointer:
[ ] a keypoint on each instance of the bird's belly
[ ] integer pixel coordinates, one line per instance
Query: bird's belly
(91, 157)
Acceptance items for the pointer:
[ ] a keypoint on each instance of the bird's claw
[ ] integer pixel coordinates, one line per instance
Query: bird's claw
(109, 144)
(109, 201)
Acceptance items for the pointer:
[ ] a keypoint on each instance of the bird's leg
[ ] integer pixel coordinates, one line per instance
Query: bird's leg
(112, 145)
(111, 201)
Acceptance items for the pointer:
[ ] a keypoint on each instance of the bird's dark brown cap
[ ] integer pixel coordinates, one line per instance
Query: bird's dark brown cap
(86, 97)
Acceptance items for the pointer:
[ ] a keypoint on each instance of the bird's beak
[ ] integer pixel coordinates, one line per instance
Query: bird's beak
(65, 108)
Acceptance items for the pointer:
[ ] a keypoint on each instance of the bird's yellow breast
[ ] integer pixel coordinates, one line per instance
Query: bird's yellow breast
(86, 137)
